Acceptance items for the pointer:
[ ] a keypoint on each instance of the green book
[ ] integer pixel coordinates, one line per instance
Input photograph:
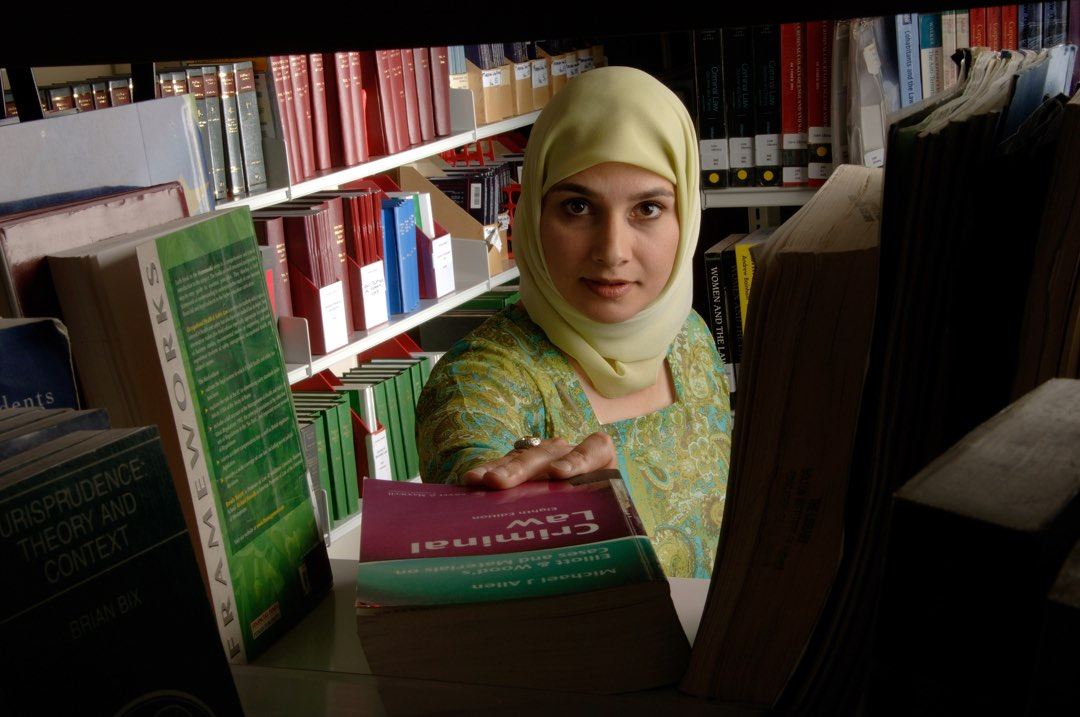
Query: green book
(406, 411)
(382, 419)
(97, 564)
(331, 426)
(388, 411)
(181, 312)
(338, 415)
(328, 479)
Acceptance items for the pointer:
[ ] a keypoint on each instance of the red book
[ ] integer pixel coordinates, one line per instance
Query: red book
(356, 94)
(422, 68)
(319, 111)
(397, 88)
(977, 26)
(1009, 39)
(993, 27)
(282, 76)
(339, 228)
(819, 40)
(344, 100)
(377, 80)
(302, 110)
(412, 100)
(270, 232)
(793, 126)
(26, 238)
(440, 89)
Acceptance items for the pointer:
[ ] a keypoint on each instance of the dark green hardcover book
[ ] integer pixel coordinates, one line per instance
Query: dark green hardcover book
(403, 410)
(326, 481)
(767, 157)
(332, 460)
(230, 120)
(320, 494)
(247, 108)
(343, 411)
(102, 590)
(216, 157)
(386, 409)
(331, 426)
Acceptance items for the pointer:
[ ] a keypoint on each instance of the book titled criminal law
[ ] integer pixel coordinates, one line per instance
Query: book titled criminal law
(504, 587)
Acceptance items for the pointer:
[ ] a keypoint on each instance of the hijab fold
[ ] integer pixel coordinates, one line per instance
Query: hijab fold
(611, 114)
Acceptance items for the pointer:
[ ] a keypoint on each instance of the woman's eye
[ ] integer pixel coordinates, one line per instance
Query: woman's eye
(650, 210)
(576, 207)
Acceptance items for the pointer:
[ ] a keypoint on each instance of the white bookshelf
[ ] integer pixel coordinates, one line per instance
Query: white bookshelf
(741, 197)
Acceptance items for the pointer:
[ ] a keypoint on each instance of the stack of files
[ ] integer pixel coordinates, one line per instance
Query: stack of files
(806, 344)
(23, 429)
(26, 238)
(957, 260)
(92, 598)
(477, 190)
(395, 386)
(325, 421)
(318, 281)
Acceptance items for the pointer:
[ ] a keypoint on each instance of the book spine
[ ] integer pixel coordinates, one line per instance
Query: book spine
(949, 71)
(101, 95)
(1009, 35)
(250, 129)
(302, 115)
(819, 48)
(963, 31)
(440, 83)
(320, 111)
(386, 95)
(335, 126)
(719, 313)
(993, 27)
(422, 70)
(930, 54)
(215, 132)
(271, 233)
(119, 93)
(908, 59)
(195, 82)
(84, 98)
(1029, 25)
(739, 92)
(397, 87)
(412, 99)
(1054, 23)
(745, 269)
(793, 104)
(977, 26)
(231, 122)
(282, 79)
(712, 121)
(766, 53)
(345, 108)
(359, 115)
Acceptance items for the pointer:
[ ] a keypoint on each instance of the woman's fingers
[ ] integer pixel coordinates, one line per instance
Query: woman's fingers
(518, 466)
(595, 452)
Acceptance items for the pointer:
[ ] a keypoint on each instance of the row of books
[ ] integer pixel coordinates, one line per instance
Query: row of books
(96, 551)
(93, 94)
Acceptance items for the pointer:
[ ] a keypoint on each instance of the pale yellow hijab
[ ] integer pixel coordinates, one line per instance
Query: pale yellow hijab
(611, 114)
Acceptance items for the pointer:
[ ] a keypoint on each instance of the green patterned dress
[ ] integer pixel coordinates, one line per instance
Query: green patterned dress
(506, 380)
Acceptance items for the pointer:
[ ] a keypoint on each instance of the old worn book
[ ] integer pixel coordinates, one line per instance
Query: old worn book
(504, 587)
(35, 364)
(978, 539)
(102, 587)
(806, 344)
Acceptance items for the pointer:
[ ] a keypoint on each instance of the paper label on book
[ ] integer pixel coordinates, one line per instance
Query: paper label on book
(586, 64)
(459, 82)
(492, 78)
(714, 154)
(476, 196)
(332, 306)
(379, 455)
(767, 150)
(875, 158)
(819, 170)
(539, 74)
(794, 175)
(820, 135)
(373, 286)
(795, 141)
(573, 68)
(741, 152)
(493, 237)
(559, 67)
(522, 71)
(504, 221)
(870, 57)
(442, 258)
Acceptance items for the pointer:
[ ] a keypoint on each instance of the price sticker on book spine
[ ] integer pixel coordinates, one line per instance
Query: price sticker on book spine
(492, 78)
(539, 74)
(373, 286)
(714, 154)
(442, 257)
(379, 456)
(522, 71)
(332, 306)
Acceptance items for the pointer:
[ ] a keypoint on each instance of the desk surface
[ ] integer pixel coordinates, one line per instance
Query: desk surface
(318, 668)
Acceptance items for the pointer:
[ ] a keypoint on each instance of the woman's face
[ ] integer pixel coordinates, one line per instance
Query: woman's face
(609, 236)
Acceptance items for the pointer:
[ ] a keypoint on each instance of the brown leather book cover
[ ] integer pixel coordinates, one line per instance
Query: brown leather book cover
(26, 238)
(412, 101)
(422, 70)
(319, 111)
(84, 97)
(302, 109)
(397, 89)
(101, 94)
(379, 110)
(343, 97)
(282, 76)
(440, 89)
(357, 83)
(61, 98)
(119, 92)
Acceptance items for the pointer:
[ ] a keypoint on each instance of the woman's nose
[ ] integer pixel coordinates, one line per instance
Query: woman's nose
(611, 245)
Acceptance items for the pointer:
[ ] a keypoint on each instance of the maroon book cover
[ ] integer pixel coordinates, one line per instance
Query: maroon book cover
(793, 125)
(412, 100)
(356, 94)
(440, 89)
(302, 109)
(282, 75)
(382, 136)
(818, 100)
(119, 92)
(28, 237)
(993, 27)
(270, 231)
(1009, 39)
(319, 111)
(343, 80)
(397, 88)
(101, 95)
(422, 68)
(306, 275)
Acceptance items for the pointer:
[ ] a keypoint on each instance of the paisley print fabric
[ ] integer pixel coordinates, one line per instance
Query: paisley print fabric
(506, 380)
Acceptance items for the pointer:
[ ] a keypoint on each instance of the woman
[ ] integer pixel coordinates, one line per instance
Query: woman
(603, 360)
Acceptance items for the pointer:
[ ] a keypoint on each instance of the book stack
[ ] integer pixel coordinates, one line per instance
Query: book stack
(35, 364)
(87, 95)
(21, 430)
(85, 603)
(326, 426)
(479, 190)
(504, 587)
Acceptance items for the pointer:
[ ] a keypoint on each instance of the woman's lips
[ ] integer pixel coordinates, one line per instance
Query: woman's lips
(608, 288)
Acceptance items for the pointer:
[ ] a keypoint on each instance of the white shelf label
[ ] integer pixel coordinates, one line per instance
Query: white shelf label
(741, 152)
(373, 284)
(332, 304)
(522, 71)
(476, 196)
(442, 256)
(379, 456)
(539, 74)
(714, 154)
(492, 78)
(767, 150)
(795, 141)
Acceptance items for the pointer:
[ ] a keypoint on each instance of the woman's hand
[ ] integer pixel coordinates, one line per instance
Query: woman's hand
(553, 459)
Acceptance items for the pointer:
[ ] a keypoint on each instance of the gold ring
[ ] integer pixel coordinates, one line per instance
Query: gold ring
(526, 442)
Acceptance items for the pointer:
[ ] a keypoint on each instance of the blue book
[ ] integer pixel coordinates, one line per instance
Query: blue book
(408, 264)
(390, 256)
(49, 425)
(1029, 25)
(1053, 25)
(931, 54)
(35, 365)
(908, 59)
